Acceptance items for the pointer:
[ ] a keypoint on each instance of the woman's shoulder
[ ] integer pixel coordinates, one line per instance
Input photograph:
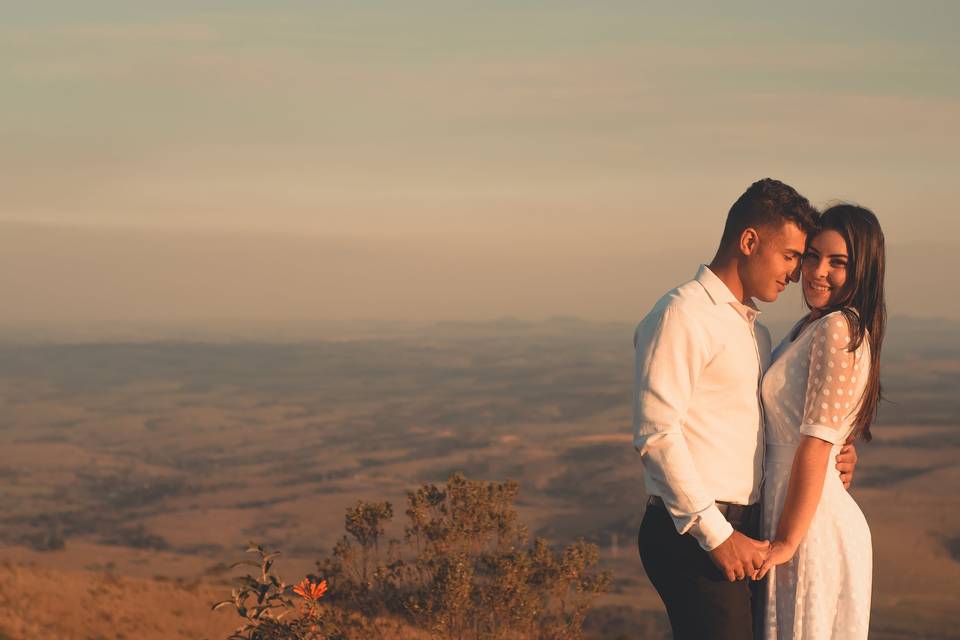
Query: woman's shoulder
(837, 325)
(840, 320)
(841, 328)
(811, 324)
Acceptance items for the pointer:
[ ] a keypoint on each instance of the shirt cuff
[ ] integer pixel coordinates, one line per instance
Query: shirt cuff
(821, 432)
(711, 529)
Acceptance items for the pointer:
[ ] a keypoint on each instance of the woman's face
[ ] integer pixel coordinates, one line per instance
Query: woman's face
(824, 269)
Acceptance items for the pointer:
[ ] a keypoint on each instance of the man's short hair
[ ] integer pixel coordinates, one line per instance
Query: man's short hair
(768, 202)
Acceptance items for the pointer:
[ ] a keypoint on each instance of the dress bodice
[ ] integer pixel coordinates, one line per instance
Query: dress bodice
(815, 384)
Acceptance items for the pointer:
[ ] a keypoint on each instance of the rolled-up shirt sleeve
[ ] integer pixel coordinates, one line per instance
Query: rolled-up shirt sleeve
(671, 351)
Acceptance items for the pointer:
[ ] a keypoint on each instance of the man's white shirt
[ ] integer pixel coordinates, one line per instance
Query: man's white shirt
(697, 416)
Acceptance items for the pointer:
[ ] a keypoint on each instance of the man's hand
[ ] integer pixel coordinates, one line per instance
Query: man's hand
(847, 462)
(740, 556)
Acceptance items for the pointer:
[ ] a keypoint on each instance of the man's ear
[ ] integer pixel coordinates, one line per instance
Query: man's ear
(749, 241)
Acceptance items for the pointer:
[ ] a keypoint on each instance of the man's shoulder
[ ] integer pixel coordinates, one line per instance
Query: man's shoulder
(687, 297)
(683, 306)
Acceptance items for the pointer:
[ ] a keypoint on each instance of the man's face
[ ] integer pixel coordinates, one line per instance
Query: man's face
(774, 261)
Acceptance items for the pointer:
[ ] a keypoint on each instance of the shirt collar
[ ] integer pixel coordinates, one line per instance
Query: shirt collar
(720, 294)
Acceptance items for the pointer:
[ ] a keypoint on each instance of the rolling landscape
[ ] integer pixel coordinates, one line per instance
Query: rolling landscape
(201, 199)
(133, 473)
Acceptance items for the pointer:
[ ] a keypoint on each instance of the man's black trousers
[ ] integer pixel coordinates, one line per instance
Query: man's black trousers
(701, 603)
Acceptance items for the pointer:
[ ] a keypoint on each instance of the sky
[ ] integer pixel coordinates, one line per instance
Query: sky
(233, 164)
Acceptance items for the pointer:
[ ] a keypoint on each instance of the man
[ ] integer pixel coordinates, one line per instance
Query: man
(698, 419)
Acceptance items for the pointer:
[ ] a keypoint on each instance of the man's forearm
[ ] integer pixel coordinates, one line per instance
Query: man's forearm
(668, 463)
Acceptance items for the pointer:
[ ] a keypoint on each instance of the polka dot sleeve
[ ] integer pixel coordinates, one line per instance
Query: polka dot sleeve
(831, 382)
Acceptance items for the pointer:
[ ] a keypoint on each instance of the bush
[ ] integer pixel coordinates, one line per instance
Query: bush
(465, 569)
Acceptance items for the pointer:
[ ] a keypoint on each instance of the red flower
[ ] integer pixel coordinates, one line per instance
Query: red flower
(310, 591)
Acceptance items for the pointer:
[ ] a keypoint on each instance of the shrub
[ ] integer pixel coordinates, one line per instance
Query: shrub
(464, 569)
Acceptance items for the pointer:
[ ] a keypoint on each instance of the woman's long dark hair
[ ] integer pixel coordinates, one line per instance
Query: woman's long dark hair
(862, 299)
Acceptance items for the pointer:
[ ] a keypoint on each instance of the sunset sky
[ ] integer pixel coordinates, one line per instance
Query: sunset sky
(232, 164)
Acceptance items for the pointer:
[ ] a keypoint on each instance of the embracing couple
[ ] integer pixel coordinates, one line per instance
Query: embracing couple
(749, 530)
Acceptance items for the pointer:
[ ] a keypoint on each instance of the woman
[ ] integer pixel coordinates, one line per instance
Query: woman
(822, 388)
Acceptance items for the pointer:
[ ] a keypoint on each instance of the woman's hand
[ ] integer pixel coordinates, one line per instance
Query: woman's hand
(780, 553)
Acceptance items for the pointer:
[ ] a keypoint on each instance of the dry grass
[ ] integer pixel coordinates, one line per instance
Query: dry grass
(42, 603)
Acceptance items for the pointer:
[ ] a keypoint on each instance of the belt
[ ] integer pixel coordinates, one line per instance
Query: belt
(735, 513)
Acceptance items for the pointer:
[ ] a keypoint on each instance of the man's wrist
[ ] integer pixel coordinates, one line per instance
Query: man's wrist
(711, 529)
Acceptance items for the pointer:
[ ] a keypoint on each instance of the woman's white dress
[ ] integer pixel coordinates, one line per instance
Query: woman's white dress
(813, 387)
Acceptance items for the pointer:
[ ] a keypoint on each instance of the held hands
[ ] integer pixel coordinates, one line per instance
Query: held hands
(780, 553)
(740, 556)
